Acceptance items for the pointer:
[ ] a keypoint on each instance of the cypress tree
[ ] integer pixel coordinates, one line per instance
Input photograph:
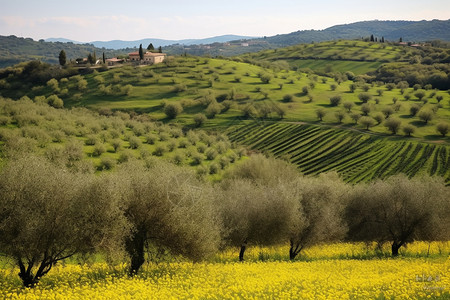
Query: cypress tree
(62, 58)
(141, 52)
(150, 47)
(160, 49)
(104, 58)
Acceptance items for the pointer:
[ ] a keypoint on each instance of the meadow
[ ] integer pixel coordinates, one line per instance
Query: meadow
(245, 100)
(334, 271)
(354, 155)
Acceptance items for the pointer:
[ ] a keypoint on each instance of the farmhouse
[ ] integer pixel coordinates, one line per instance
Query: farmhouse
(149, 57)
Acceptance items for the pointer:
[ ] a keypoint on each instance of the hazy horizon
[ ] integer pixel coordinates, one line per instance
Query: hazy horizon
(88, 21)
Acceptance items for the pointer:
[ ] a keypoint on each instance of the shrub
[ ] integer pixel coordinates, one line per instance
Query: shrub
(214, 168)
(390, 86)
(393, 124)
(379, 117)
(367, 122)
(91, 140)
(266, 78)
(409, 129)
(355, 117)
(107, 163)
(199, 119)
(178, 88)
(211, 153)
(340, 115)
(197, 158)
(178, 158)
(151, 138)
(387, 111)
(320, 113)
(413, 109)
(172, 110)
(99, 149)
(55, 101)
(160, 150)
(306, 90)
(443, 128)
(365, 97)
(213, 109)
(348, 105)
(288, 98)
(425, 115)
(419, 95)
(335, 100)
(135, 142)
(365, 108)
(116, 144)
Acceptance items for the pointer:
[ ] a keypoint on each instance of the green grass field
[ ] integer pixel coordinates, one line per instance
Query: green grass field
(355, 156)
(237, 94)
(197, 82)
(323, 65)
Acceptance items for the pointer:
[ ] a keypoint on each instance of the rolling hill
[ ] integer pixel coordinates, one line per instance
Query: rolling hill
(409, 31)
(269, 109)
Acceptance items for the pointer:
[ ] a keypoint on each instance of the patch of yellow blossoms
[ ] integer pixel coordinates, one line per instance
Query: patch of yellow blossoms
(324, 278)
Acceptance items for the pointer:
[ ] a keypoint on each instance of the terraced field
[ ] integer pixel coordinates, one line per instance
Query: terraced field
(356, 156)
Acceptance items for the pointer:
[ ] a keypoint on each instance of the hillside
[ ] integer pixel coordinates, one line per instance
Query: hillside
(409, 31)
(412, 31)
(387, 62)
(218, 94)
(14, 50)
(87, 141)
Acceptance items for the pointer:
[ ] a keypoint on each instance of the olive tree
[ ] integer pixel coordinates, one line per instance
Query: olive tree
(322, 202)
(400, 210)
(259, 203)
(168, 209)
(393, 124)
(257, 213)
(442, 128)
(367, 122)
(172, 110)
(48, 214)
(425, 115)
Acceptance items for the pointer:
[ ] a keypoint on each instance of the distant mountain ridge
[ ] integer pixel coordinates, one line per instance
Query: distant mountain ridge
(120, 44)
(414, 31)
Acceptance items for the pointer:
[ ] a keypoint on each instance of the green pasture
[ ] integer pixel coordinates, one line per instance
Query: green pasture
(355, 156)
(241, 85)
(336, 50)
(324, 66)
(240, 94)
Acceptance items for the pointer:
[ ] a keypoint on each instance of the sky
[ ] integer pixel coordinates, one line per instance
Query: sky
(99, 20)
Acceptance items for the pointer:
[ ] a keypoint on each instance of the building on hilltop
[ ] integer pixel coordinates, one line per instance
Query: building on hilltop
(149, 57)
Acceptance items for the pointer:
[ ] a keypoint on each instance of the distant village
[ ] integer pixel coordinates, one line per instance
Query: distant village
(148, 58)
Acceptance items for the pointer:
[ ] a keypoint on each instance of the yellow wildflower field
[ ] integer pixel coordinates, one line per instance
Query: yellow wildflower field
(320, 278)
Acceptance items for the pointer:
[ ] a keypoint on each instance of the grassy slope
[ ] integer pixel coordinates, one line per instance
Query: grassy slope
(148, 93)
(152, 85)
(358, 57)
(27, 127)
(354, 155)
